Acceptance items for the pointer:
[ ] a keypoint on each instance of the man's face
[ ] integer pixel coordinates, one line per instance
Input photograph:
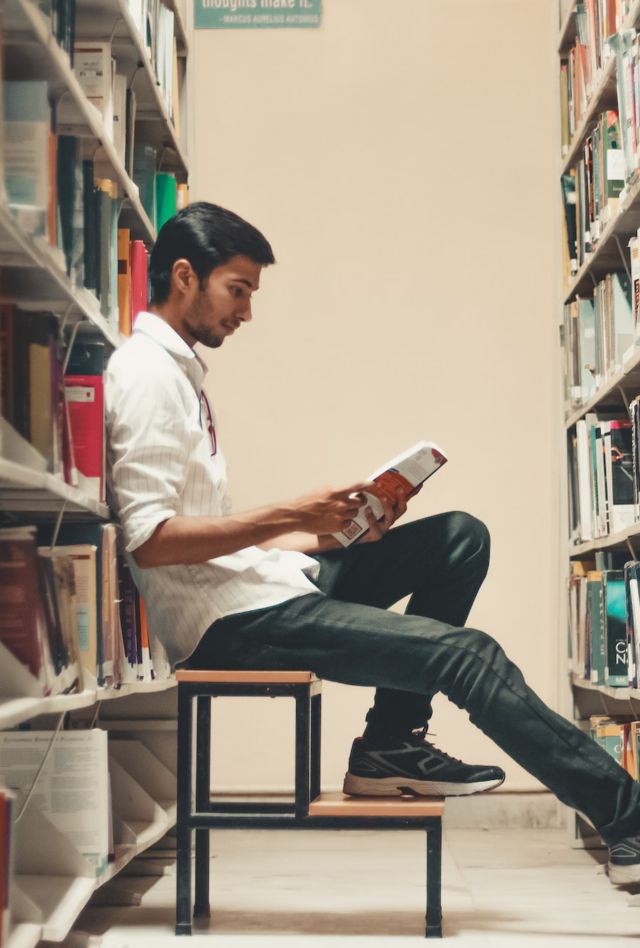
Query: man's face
(225, 302)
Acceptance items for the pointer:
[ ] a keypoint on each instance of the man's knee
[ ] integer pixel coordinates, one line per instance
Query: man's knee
(472, 534)
(472, 661)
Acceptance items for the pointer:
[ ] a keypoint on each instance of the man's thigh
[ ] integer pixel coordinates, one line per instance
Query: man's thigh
(407, 558)
(340, 641)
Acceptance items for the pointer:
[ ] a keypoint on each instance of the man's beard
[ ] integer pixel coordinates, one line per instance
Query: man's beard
(208, 339)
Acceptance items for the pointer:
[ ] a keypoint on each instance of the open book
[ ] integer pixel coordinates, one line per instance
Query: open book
(405, 473)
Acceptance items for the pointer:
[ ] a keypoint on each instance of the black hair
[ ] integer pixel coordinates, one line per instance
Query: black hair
(207, 236)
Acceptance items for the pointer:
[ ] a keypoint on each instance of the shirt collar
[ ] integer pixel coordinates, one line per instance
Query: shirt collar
(161, 332)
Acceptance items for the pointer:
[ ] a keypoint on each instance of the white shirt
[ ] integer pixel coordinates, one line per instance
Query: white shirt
(160, 464)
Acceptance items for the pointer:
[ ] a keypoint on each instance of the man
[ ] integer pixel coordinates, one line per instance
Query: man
(268, 588)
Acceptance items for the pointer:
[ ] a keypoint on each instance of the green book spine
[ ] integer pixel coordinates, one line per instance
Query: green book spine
(615, 616)
(166, 198)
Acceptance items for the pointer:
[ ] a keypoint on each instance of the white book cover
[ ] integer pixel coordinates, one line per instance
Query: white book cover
(70, 790)
(94, 69)
(634, 249)
(26, 150)
(599, 431)
(583, 459)
(403, 473)
(120, 114)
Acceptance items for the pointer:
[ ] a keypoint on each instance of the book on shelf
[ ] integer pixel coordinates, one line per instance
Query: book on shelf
(94, 68)
(85, 399)
(37, 660)
(124, 280)
(26, 150)
(591, 189)
(139, 261)
(615, 620)
(61, 16)
(144, 175)
(632, 588)
(627, 52)
(568, 182)
(77, 807)
(166, 197)
(58, 587)
(403, 474)
(604, 620)
(6, 861)
(82, 557)
(113, 639)
(603, 497)
(618, 736)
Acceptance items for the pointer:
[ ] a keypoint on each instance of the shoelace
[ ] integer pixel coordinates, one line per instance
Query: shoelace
(420, 737)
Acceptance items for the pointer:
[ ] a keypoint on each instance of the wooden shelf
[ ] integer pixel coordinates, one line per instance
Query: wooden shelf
(24, 935)
(606, 543)
(23, 257)
(14, 711)
(618, 694)
(62, 898)
(567, 33)
(606, 256)
(25, 490)
(32, 52)
(608, 395)
(153, 833)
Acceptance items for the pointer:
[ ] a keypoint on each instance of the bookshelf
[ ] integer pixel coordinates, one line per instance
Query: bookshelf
(52, 882)
(610, 209)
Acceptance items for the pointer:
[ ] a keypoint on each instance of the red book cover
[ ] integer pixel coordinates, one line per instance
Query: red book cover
(22, 621)
(85, 401)
(139, 279)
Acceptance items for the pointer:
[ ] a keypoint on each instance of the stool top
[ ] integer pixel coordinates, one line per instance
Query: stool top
(341, 804)
(241, 677)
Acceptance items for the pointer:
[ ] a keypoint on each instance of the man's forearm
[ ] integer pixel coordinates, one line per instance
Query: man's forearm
(303, 543)
(197, 539)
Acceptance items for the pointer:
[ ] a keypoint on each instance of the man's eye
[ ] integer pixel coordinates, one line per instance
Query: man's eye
(237, 291)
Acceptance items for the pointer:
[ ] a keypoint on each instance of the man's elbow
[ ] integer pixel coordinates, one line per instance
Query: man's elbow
(146, 555)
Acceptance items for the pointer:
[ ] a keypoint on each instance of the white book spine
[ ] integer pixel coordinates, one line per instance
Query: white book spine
(584, 480)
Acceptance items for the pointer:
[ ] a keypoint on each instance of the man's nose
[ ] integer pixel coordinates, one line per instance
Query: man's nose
(244, 313)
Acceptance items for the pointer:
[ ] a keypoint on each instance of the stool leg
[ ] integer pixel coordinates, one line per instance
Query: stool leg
(203, 772)
(434, 880)
(302, 751)
(183, 816)
(316, 728)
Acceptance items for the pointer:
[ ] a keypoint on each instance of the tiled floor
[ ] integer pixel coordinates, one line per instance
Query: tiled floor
(515, 888)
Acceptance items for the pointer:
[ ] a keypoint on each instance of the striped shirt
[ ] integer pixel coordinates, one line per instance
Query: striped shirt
(160, 463)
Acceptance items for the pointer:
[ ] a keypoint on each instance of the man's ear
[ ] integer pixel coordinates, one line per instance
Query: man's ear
(182, 275)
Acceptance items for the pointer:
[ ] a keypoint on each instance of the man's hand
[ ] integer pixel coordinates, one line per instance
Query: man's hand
(394, 507)
(329, 510)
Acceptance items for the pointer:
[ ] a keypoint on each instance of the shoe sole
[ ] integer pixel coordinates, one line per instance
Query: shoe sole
(399, 786)
(623, 875)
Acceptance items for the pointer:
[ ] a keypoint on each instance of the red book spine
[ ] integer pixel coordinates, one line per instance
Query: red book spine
(139, 278)
(85, 400)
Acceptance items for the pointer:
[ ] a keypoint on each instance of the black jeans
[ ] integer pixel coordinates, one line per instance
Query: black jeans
(346, 634)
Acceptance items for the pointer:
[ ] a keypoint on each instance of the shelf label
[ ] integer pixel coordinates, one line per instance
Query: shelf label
(257, 14)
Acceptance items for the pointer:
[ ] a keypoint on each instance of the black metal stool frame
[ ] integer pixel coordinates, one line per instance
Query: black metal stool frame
(267, 815)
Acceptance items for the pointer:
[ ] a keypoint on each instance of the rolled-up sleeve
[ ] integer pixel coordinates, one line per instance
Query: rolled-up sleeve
(148, 445)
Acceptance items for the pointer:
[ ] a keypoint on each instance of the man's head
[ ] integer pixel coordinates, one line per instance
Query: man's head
(204, 267)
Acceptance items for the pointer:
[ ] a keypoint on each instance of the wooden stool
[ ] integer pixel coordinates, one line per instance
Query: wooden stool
(310, 809)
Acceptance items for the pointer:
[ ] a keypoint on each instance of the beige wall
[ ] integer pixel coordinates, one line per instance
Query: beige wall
(401, 161)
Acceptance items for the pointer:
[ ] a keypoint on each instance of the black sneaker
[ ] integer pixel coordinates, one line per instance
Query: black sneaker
(624, 861)
(415, 766)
